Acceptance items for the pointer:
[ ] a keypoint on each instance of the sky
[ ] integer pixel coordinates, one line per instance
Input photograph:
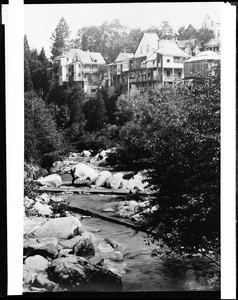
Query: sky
(40, 20)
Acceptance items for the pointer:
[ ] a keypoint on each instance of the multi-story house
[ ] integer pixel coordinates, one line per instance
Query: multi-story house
(82, 67)
(155, 63)
(203, 61)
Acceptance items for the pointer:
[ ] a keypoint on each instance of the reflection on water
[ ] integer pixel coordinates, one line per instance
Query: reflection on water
(145, 273)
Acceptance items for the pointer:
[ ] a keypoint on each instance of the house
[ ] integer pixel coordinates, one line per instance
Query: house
(212, 21)
(163, 67)
(155, 63)
(170, 61)
(82, 67)
(201, 62)
(214, 45)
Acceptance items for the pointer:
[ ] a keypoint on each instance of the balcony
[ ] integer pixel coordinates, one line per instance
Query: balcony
(90, 70)
(172, 78)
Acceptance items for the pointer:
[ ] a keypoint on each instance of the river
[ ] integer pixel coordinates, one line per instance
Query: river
(142, 272)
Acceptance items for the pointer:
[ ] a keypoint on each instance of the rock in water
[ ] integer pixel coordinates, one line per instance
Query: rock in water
(36, 262)
(115, 182)
(102, 178)
(42, 209)
(83, 172)
(61, 228)
(53, 180)
(84, 248)
(46, 247)
(41, 280)
(77, 274)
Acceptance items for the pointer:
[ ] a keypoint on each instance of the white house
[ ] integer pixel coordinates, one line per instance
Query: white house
(81, 66)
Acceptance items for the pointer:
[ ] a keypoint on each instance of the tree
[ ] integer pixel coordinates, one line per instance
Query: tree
(60, 39)
(95, 113)
(132, 40)
(204, 35)
(164, 31)
(41, 135)
(176, 134)
(28, 85)
(187, 33)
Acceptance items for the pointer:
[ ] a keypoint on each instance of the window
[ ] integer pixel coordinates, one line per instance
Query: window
(93, 90)
(179, 74)
(141, 49)
(168, 73)
(147, 48)
(168, 60)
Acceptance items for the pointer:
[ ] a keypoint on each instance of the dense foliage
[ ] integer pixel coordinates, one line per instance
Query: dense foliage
(176, 134)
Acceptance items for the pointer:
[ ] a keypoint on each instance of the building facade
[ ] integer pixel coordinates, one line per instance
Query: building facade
(155, 63)
(203, 61)
(83, 67)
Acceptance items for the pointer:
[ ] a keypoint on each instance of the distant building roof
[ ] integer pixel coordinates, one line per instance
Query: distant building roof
(152, 39)
(168, 47)
(205, 55)
(124, 56)
(184, 43)
(213, 42)
(85, 57)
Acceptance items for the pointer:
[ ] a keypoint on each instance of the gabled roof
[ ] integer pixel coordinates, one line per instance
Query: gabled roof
(152, 38)
(205, 55)
(213, 42)
(85, 57)
(168, 47)
(124, 56)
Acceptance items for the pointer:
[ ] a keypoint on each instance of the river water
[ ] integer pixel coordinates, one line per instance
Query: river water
(142, 272)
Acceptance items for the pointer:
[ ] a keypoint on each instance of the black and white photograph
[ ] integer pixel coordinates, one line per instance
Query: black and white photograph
(122, 147)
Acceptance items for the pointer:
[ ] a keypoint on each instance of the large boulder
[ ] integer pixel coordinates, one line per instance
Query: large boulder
(42, 209)
(83, 172)
(31, 225)
(46, 247)
(53, 180)
(84, 248)
(115, 182)
(29, 275)
(110, 249)
(102, 178)
(61, 228)
(36, 262)
(85, 153)
(77, 274)
(42, 281)
(135, 183)
(28, 202)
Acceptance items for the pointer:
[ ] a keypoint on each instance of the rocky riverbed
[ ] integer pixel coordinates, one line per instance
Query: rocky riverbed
(80, 238)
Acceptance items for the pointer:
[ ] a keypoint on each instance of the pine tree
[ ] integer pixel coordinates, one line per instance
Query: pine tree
(28, 86)
(60, 39)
